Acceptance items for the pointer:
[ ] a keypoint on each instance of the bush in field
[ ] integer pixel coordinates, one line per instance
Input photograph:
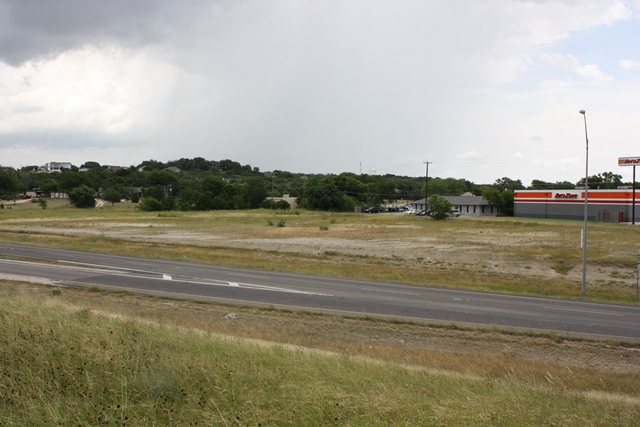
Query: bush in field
(440, 207)
(82, 197)
(42, 202)
(150, 204)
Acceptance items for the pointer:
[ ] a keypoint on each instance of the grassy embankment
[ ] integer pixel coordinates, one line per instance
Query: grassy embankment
(82, 358)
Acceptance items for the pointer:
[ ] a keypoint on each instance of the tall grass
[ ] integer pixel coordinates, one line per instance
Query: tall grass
(64, 363)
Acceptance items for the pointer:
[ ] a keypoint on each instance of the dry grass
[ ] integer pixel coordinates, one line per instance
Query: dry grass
(82, 358)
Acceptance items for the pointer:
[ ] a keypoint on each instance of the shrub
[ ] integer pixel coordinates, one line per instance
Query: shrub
(440, 207)
(150, 204)
(82, 197)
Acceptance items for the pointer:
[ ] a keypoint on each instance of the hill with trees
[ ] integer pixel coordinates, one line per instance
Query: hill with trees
(199, 185)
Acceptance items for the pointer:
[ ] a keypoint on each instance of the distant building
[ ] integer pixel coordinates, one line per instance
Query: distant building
(7, 169)
(54, 167)
(293, 201)
(467, 204)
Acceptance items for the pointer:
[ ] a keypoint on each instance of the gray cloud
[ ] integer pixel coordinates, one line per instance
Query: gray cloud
(35, 29)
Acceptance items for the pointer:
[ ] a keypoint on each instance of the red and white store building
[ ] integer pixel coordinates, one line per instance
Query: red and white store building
(602, 205)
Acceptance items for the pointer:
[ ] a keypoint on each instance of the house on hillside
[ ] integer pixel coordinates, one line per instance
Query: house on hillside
(55, 167)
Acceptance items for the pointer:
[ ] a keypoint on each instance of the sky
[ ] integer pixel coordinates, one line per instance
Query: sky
(480, 89)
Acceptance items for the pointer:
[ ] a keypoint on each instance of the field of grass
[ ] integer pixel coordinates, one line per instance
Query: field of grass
(81, 358)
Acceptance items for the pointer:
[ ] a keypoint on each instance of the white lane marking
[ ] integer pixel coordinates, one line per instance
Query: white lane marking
(166, 277)
(103, 270)
(389, 292)
(30, 279)
(124, 272)
(247, 275)
(107, 266)
(585, 311)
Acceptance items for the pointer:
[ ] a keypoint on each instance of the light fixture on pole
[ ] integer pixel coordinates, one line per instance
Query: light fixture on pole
(586, 204)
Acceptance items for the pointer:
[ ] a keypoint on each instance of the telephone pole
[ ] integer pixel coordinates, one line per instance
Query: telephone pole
(426, 184)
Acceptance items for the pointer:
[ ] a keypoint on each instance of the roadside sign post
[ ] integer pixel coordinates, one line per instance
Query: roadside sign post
(631, 161)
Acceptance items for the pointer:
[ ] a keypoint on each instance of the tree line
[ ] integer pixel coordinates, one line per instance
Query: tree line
(199, 185)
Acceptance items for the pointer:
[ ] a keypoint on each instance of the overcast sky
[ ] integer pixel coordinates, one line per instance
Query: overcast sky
(483, 89)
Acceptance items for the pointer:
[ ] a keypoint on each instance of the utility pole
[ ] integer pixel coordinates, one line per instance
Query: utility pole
(273, 177)
(426, 185)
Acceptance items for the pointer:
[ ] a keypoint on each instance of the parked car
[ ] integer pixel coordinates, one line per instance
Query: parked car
(373, 209)
(455, 212)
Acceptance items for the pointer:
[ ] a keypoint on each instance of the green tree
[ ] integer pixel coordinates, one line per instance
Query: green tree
(604, 180)
(82, 197)
(327, 198)
(187, 199)
(9, 186)
(440, 207)
(112, 195)
(42, 202)
(537, 184)
(254, 192)
(508, 184)
(447, 186)
(69, 180)
(501, 200)
(161, 178)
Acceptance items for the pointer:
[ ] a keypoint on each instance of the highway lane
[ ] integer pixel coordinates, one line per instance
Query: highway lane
(244, 286)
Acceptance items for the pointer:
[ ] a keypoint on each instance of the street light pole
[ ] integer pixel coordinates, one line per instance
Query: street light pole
(586, 204)
(426, 185)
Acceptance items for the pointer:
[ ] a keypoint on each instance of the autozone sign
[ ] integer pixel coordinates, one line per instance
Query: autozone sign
(566, 196)
(628, 161)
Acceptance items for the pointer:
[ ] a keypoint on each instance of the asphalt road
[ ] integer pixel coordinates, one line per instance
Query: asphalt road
(296, 291)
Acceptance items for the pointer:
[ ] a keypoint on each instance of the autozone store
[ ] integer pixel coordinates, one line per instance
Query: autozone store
(602, 205)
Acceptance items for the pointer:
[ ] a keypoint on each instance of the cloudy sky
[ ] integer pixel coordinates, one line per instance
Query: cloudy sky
(483, 89)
